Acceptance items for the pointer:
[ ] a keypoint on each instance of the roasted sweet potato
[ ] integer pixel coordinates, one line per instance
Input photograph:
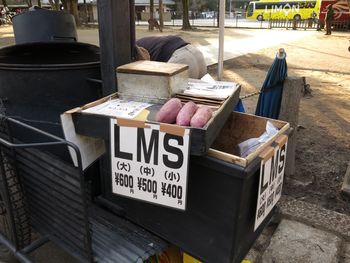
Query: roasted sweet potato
(169, 111)
(186, 113)
(201, 117)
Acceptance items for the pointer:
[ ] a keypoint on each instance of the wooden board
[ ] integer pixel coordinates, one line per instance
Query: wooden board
(146, 67)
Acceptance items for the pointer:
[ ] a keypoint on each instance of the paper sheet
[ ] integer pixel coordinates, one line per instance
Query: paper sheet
(119, 108)
(210, 88)
(90, 148)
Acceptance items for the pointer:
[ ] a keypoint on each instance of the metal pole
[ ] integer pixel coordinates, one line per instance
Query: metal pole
(221, 38)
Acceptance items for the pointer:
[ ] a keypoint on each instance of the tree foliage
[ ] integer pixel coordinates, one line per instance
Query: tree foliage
(203, 5)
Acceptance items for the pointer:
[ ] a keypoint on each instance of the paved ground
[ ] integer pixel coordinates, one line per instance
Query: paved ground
(308, 232)
(237, 41)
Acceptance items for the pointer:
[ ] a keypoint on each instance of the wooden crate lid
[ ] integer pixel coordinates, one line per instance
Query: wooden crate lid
(146, 67)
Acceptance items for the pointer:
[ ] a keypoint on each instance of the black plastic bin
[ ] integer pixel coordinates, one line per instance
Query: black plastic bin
(218, 224)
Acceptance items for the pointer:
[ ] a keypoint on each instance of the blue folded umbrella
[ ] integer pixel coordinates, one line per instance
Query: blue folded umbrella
(239, 107)
(269, 102)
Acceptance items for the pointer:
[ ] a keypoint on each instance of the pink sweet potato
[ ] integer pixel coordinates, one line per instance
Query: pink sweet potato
(169, 111)
(201, 117)
(186, 113)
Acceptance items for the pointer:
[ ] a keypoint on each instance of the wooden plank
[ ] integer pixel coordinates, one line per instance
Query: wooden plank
(145, 67)
(227, 157)
(115, 39)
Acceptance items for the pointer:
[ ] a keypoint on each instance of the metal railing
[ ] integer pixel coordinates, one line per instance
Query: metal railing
(55, 193)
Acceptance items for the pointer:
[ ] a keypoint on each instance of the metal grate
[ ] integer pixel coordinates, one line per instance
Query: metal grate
(54, 197)
(115, 239)
(54, 190)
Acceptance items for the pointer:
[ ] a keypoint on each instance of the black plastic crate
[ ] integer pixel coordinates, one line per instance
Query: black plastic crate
(218, 224)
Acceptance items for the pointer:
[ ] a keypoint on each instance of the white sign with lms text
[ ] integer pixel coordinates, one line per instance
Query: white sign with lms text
(150, 163)
(270, 182)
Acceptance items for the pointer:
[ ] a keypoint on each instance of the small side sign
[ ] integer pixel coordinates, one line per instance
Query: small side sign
(270, 183)
(149, 164)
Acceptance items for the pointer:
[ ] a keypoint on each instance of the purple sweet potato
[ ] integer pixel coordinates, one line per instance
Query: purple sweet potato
(201, 117)
(169, 111)
(186, 113)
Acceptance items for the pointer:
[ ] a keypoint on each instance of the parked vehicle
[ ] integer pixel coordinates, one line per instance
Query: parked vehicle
(341, 12)
(208, 15)
(275, 9)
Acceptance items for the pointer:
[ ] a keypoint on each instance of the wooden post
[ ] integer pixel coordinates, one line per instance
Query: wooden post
(293, 88)
(115, 39)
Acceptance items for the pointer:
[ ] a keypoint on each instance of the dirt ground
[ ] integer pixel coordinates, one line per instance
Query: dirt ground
(323, 139)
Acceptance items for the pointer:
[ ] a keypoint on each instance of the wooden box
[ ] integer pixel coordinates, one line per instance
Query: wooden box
(238, 128)
(151, 81)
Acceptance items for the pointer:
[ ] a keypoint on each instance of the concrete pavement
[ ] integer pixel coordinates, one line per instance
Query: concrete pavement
(237, 41)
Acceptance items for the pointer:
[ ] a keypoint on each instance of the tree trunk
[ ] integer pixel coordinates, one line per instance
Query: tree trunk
(71, 6)
(29, 3)
(52, 4)
(57, 5)
(74, 11)
(86, 16)
(39, 3)
(4, 2)
(218, 14)
(151, 14)
(161, 19)
(66, 6)
(185, 18)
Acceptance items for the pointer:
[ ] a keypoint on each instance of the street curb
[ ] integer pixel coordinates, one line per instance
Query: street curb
(315, 216)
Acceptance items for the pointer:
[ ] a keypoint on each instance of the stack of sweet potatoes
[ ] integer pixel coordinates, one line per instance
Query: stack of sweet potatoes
(189, 114)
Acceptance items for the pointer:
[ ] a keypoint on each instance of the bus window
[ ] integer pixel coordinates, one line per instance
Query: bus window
(250, 9)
